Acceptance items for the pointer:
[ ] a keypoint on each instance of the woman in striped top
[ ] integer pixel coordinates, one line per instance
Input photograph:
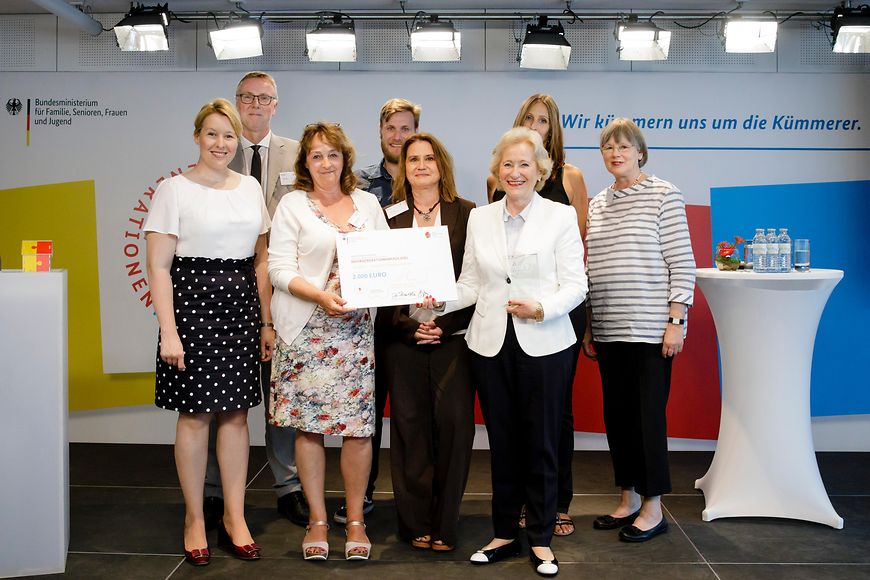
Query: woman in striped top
(641, 283)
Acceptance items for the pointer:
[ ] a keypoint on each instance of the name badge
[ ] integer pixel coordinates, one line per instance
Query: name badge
(395, 209)
(287, 177)
(356, 220)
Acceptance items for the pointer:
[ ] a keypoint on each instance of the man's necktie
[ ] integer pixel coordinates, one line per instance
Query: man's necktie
(256, 164)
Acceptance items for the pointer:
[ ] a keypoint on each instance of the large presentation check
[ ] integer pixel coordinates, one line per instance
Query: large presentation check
(390, 267)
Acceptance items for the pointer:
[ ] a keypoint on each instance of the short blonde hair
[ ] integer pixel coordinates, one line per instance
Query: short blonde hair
(258, 74)
(397, 105)
(554, 143)
(221, 107)
(447, 183)
(516, 136)
(623, 128)
(335, 136)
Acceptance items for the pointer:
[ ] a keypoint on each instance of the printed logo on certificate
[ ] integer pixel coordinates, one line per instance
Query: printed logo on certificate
(525, 281)
(391, 267)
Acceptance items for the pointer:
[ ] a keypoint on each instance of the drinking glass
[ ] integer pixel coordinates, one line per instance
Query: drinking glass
(802, 255)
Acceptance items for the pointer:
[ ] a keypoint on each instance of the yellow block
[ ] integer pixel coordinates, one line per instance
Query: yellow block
(66, 214)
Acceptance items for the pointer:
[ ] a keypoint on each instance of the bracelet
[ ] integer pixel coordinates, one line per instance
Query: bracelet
(267, 325)
(539, 313)
(675, 320)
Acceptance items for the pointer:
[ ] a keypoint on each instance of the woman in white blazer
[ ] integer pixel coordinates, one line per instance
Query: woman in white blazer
(523, 271)
(323, 375)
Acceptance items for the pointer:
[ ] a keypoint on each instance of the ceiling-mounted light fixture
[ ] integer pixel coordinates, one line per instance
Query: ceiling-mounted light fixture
(851, 29)
(332, 40)
(545, 46)
(435, 40)
(750, 35)
(241, 39)
(143, 28)
(641, 40)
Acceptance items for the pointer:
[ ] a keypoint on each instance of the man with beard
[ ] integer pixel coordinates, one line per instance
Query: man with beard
(400, 118)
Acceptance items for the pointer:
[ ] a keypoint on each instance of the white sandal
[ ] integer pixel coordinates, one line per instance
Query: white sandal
(324, 546)
(351, 545)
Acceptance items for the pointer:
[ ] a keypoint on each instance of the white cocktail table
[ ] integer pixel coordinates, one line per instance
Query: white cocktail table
(765, 462)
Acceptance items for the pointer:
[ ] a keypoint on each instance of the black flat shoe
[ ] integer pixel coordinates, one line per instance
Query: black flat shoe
(494, 555)
(294, 507)
(547, 568)
(611, 523)
(633, 534)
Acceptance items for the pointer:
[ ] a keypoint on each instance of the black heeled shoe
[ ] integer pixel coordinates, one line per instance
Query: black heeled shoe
(609, 522)
(546, 568)
(634, 534)
(493, 555)
(199, 557)
(247, 552)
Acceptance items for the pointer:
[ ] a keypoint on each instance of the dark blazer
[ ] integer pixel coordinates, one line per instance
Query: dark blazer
(393, 322)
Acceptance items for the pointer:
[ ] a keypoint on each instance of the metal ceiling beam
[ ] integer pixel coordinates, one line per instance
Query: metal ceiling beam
(72, 15)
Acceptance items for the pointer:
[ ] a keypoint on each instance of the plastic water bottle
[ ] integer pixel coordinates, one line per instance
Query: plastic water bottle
(759, 251)
(784, 250)
(772, 251)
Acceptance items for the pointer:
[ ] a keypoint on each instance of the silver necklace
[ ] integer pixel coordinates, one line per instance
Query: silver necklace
(427, 215)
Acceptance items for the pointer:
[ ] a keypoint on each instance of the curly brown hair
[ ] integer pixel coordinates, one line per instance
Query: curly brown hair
(333, 134)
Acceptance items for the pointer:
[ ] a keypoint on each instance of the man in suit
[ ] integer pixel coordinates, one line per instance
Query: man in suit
(400, 118)
(268, 158)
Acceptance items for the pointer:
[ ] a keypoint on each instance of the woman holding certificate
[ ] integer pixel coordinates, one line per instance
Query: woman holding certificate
(523, 270)
(323, 373)
(426, 362)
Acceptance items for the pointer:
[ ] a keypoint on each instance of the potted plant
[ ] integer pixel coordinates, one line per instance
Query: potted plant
(727, 256)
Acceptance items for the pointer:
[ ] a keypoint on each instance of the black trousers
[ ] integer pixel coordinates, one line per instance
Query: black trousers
(636, 381)
(431, 434)
(381, 394)
(566, 433)
(522, 401)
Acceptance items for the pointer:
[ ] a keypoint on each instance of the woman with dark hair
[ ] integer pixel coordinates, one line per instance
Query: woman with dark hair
(565, 185)
(427, 362)
(323, 373)
(206, 236)
(640, 291)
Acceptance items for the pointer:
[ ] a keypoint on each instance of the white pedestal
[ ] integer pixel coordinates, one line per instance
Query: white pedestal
(34, 452)
(765, 464)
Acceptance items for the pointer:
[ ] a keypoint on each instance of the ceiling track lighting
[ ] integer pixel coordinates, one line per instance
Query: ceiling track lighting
(434, 40)
(750, 35)
(545, 46)
(851, 29)
(641, 40)
(241, 38)
(332, 40)
(144, 28)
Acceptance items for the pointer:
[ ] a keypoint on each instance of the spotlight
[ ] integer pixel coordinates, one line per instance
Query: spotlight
(238, 40)
(332, 40)
(642, 40)
(851, 29)
(435, 40)
(750, 35)
(143, 29)
(545, 46)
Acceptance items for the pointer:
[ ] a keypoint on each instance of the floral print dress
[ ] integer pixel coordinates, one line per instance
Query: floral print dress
(324, 381)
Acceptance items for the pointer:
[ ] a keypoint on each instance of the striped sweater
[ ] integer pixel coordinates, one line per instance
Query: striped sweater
(639, 260)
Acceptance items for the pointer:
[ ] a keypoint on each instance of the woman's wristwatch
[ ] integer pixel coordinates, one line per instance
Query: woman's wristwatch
(267, 325)
(675, 320)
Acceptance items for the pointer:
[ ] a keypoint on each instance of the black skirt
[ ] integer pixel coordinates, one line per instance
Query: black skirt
(217, 315)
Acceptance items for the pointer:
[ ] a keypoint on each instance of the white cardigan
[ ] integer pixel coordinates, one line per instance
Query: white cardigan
(301, 244)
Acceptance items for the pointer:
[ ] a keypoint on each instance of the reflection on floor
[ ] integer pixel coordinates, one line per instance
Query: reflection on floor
(126, 518)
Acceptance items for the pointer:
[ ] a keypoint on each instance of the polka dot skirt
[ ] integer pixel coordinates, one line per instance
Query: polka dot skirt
(217, 314)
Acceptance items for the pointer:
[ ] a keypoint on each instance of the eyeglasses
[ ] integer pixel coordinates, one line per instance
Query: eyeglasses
(620, 148)
(248, 98)
(322, 124)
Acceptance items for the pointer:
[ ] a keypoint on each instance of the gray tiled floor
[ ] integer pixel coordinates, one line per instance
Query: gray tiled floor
(126, 512)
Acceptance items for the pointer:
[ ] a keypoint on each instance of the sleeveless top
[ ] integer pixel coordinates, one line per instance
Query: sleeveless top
(553, 189)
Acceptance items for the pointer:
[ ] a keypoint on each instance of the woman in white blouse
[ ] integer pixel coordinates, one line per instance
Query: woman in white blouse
(206, 236)
(323, 372)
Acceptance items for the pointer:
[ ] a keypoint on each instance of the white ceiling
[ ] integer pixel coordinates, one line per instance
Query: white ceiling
(711, 6)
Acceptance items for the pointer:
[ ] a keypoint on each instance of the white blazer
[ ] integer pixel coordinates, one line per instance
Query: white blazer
(301, 244)
(552, 234)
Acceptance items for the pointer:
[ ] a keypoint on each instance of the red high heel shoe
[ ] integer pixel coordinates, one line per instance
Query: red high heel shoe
(247, 552)
(200, 557)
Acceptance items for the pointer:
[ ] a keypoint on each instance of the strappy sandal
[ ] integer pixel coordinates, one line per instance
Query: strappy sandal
(350, 545)
(563, 521)
(315, 551)
(441, 546)
(422, 542)
(522, 522)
